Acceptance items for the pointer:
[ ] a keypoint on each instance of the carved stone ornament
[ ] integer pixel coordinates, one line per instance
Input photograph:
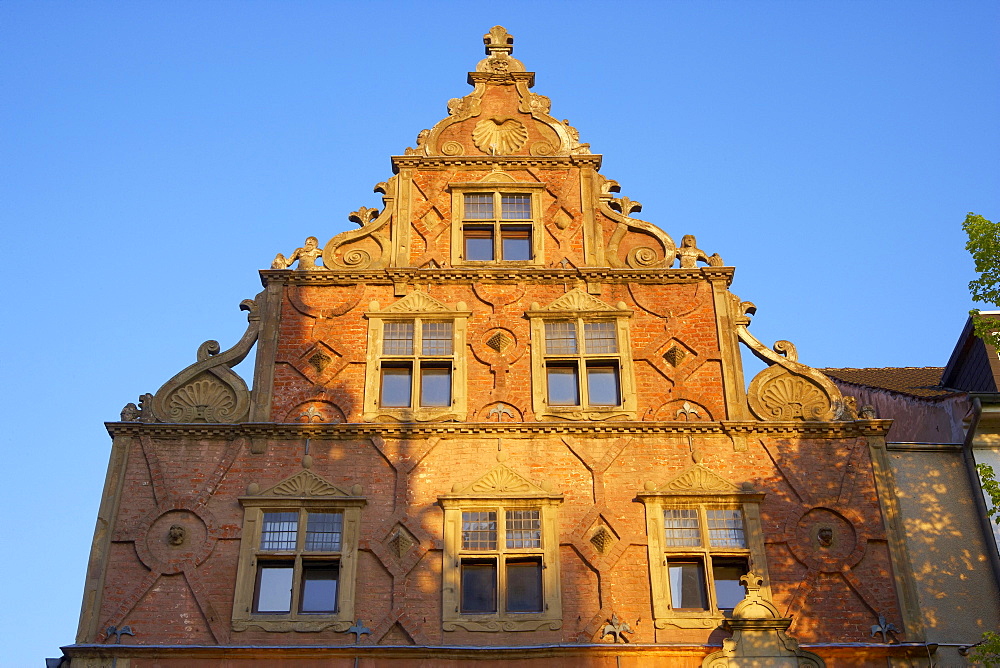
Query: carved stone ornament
(209, 390)
(306, 257)
(620, 210)
(787, 389)
(367, 248)
(305, 483)
(502, 481)
(401, 542)
(695, 480)
(500, 341)
(689, 254)
(759, 635)
(602, 540)
(579, 301)
(497, 136)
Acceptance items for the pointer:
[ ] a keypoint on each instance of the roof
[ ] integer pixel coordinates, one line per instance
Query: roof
(915, 381)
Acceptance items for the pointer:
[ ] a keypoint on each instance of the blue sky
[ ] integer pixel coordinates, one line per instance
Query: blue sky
(156, 155)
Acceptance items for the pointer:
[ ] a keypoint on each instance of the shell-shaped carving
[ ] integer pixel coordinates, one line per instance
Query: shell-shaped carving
(790, 397)
(502, 479)
(499, 136)
(698, 479)
(305, 484)
(205, 399)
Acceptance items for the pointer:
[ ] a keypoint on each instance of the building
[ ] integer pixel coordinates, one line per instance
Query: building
(504, 420)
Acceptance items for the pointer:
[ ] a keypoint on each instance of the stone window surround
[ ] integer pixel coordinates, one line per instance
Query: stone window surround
(551, 615)
(458, 192)
(416, 307)
(586, 309)
(253, 515)
(655, 503)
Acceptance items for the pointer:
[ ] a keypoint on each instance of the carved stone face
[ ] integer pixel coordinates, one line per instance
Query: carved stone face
(825, 536)
(688, 241)
(312, 242)
(176, 534)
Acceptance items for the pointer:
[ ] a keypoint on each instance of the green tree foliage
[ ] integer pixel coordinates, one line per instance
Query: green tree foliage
(987, 652)
(992, 489)
(984, 245)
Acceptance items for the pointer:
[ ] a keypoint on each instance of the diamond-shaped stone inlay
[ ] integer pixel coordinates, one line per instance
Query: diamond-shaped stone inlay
(401, 542)
(602, 540)
(675, 355)
(500, 342)
(319, 361)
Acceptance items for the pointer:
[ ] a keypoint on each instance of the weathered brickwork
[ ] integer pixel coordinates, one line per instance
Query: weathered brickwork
(178, 546)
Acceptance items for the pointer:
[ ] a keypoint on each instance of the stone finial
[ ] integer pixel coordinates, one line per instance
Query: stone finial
(498, 40)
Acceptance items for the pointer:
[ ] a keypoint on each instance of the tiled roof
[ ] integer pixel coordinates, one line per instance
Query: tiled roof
(916, 381)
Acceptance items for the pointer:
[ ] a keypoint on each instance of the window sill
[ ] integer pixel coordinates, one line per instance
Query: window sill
(691, 620)
(590, 413)
(510, 622)
(425, 414)
(312, 624)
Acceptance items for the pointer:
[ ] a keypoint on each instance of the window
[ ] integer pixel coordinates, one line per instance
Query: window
(416, 362)
(501, 565)
(413, 369)
(512, 565)
(297, 559)
(496, 222)
(581, 364)
(583, 367)
(699, 547)
(496, 226)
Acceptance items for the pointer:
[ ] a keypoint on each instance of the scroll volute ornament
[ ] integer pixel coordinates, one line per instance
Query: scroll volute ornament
(368, 247)
(209, 390)
(787, 389)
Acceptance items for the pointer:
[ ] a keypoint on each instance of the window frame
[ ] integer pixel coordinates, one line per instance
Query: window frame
(252, 557)
(581, 308)
(419, 309)
(659, 554)
(497, 224)
(454, 555)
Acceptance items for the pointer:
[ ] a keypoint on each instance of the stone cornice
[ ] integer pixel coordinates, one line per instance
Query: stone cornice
(353, 430)
(488, 161)
(496, 273)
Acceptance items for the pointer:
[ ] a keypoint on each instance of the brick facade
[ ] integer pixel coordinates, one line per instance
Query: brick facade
(793, 449)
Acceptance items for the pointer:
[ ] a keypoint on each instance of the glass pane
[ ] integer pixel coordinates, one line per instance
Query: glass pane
(600, 337)
(687, 585)
(479, 530)
(524, 585)
(396, 386)
(274, 588)
(725, 528)
(397, 338)
(324, 532)
(279, 531)
(436, 338)
(515, 207)
(479, 243)
(602, 384)
(564, 385)
(479, 206)
(319, 588)
(524, 529)
(681, 527)
(515, 243)
(560, 338)
(727, 573)
(479, 586)
(435, 386)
